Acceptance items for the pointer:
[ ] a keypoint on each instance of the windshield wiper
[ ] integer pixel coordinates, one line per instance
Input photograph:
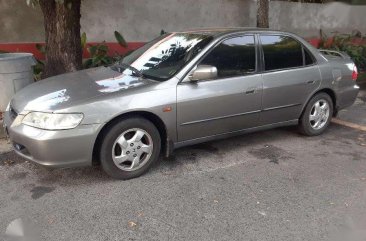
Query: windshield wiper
(127, 66)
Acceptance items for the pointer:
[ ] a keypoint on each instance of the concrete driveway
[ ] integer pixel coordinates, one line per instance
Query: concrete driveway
(272, 185)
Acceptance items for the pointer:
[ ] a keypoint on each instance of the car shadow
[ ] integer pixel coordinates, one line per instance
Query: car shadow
(179, 161)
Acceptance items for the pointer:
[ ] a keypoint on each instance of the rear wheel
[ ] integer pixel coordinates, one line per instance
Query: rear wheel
(317, 115)
(129, 148)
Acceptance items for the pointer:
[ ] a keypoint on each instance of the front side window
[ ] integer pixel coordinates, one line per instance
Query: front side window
(281, 52)
(233, 57)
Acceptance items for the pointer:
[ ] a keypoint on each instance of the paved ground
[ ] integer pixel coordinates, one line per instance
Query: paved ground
(357, 112)
(273, 185)
(5, 145)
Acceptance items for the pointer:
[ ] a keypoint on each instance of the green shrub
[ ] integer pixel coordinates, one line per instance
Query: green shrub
(354, 44)
(98, 54)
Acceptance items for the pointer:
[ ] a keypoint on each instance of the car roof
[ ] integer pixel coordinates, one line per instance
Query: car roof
(216, 32)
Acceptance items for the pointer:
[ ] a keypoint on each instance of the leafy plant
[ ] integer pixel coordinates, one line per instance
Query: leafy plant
(98, 56)
(38, 69)
(99, 52)
(41, 48)
(162, 32)
(354, 44)
(120, 39)
(83, 40)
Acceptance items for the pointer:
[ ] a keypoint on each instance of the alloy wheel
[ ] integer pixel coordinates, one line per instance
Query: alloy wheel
(132, 149)
(319, 114)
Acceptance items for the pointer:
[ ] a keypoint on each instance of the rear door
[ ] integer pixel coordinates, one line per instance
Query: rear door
(228, 103)
(290, 75)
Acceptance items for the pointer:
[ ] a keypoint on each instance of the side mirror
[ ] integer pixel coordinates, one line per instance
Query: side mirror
(203, 72)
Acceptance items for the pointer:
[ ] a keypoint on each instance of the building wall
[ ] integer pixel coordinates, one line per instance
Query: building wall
(307, 18)
(141, 20)
(20, 23)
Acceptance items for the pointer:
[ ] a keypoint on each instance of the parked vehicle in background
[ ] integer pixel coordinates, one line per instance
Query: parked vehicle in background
(180, 89)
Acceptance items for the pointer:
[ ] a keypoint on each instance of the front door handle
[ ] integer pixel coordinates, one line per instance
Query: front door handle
(251, 91)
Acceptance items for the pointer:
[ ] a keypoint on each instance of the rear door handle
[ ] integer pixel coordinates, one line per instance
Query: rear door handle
(310, 82)
(251, 91)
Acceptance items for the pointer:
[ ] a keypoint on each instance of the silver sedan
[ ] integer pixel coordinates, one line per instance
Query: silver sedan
(180, 89)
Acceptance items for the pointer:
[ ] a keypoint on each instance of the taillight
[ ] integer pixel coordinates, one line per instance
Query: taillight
(354, 73)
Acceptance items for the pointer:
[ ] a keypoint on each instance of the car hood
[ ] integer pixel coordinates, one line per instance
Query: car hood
(68, 89)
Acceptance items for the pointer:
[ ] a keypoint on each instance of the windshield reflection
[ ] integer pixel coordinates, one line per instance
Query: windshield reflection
(117, 83)
(48, 100)
(164, 57)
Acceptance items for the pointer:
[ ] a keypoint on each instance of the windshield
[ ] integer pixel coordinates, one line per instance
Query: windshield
(163, 57)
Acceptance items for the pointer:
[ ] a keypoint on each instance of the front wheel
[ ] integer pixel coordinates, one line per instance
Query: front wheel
(317, 115)
(129, 148)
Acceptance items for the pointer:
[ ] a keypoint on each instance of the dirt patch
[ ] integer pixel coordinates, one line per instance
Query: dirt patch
(40, 191)
(273, 153)
(10, 159)
(18, 175)
(205, 147)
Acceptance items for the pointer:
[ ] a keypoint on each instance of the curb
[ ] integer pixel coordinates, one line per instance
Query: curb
(349, 124)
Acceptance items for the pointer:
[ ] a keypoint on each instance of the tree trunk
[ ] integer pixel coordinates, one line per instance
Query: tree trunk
(262, 14)
(63, 43)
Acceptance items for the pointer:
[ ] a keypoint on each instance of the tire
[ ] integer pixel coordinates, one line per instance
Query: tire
(308, 120)
(121, 147)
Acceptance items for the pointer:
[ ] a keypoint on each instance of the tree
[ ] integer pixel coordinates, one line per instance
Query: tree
(62, 31)
(262, 14)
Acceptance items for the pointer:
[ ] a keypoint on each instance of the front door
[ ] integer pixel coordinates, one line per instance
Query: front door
(228, 103)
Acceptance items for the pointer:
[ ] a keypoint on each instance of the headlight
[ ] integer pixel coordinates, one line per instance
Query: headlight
(51, 121)
(8, 107)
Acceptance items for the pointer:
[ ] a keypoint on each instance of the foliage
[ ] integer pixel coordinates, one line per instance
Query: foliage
(38, 69)
(99, 52)
(83, 40)
(98, 56)
(354, 44)
(162, 32)
(120, 39)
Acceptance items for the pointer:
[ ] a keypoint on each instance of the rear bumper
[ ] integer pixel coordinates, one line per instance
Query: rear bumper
(65, 148)
(347, 97)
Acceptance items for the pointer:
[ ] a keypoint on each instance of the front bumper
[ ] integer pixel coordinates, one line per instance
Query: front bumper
(65, 148)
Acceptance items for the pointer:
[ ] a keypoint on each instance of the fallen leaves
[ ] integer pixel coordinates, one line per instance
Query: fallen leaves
(132, 224)
(262, 213)
(9, 162)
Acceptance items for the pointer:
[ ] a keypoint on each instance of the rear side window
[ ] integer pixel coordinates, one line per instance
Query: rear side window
(281, 52)
(309, 59)
(233, 57)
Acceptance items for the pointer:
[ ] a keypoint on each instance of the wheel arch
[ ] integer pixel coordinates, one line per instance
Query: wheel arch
(328, 91)
(156, 120)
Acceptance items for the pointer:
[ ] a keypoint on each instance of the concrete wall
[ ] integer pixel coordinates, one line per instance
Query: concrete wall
(306, 19)
(20, 23)
(141, 20)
